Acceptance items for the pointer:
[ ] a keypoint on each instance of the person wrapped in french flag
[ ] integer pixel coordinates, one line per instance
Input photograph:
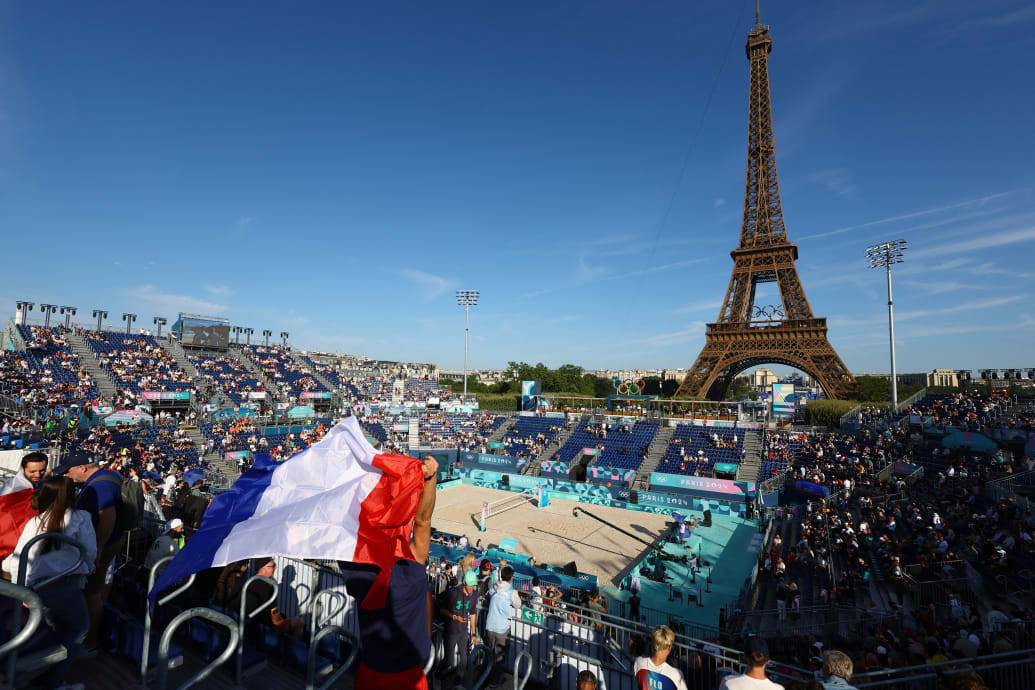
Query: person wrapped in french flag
(337, 500)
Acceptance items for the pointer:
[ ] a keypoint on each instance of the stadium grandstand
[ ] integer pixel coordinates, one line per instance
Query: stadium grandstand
(904, 540)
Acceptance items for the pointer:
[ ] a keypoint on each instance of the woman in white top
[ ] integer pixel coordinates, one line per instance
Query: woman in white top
(55, 502)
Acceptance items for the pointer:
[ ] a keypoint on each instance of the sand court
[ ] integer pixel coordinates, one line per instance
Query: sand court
(552, 535)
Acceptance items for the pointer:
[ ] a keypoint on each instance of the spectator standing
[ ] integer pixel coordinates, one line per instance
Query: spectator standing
(460, 608)
(838, 669)
(653, 672)
(169, 544)
(396, 638)
(756, 655)
(497, 623)
(586, 681)
(55, 503)
(101, 497)
(133, 493)
(33, 467)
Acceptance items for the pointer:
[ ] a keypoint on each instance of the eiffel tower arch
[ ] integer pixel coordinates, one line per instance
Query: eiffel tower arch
(748, 334)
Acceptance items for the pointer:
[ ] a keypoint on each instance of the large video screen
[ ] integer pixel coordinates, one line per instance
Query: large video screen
(204, 332)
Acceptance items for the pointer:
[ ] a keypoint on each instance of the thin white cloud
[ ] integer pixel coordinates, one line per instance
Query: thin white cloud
(998, 239)
(221, 291)
(956, 308)
(1021, 14)
(837, 181)
(599, 276)
(172, 303)
(588, 271)
(902, 316)
(656, 269)
(970, 203)
(990, 269)
(675, 337)
(245, 221)
(938, 287)
(431, 286)
(704, 305)
(719, 203)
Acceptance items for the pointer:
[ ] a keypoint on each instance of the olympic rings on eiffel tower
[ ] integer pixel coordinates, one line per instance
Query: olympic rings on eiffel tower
(628, 386)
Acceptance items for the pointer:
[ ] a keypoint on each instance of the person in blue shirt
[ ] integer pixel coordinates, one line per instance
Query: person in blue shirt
(497, 623)
(101, 497)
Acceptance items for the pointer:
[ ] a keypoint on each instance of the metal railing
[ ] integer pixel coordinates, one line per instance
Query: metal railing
(166, 641)
(23, 562)
(31, 601)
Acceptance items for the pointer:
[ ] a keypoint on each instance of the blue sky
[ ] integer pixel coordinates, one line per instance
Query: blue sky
(338, 170)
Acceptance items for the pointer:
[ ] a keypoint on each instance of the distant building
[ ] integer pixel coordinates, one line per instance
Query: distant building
(763, 378)
(941, 378)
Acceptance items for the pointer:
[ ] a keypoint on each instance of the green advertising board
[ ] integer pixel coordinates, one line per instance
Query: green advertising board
(730, 467)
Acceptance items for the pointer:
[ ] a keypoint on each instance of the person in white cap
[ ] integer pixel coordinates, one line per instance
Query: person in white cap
(166, 545)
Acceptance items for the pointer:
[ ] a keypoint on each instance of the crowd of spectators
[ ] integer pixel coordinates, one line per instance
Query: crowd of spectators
(47, 373)
(281, 370)
(137, 363)
(227, 373)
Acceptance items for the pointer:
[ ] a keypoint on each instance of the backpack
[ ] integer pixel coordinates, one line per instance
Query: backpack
(126, 518)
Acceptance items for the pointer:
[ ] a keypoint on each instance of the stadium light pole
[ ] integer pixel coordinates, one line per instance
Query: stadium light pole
(22, 308)
(466, 299)
(248, 335)
(885, 255)
(237, 334)
(47, 310)
(284, 335)
(129, 319)
(160, 321)
(266, 334)
(68, 312)
(101, 315)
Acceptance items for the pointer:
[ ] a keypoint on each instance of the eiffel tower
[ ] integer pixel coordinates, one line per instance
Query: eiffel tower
(747, 334)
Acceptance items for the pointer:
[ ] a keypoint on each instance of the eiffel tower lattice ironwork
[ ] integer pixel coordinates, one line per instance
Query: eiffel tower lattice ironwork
(747, 334)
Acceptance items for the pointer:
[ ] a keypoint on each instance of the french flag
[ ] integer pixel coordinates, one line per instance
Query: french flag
(337, 500)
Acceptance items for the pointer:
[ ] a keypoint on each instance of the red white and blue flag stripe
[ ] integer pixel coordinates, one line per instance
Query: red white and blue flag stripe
(337, 500)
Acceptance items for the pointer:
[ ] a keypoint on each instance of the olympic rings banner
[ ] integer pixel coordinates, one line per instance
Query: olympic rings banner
(628, 386)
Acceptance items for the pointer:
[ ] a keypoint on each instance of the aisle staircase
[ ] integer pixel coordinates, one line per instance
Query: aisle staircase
(751, 464)
(215, 393)
(215, 459)
(414, 431)
(256, 372)
(560, 439)
(497, 436)
(658, 447)
(316, 374)
(89, 361)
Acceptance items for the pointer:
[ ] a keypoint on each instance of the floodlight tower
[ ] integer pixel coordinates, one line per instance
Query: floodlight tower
(160, 321)
(129, 319)
(237, 334)
(22, 310)
(284, 335)
(266, 334)
(101, 315)
(885, 255)
(68, 312)
(466, 299)
(248, 335)
(47, 310)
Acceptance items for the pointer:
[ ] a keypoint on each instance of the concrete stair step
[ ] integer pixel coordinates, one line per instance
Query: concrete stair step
(88, 359)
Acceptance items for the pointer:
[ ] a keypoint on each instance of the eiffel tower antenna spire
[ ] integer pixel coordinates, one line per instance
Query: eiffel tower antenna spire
(746, 332)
